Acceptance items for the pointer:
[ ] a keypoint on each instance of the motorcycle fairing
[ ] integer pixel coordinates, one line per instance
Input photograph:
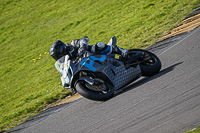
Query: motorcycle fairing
(89, 64)
(92, 63)
(119, 75)
(114, 70)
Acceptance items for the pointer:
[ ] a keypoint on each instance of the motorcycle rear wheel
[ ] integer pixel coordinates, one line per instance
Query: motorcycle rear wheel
(82, 89)
(151, 66)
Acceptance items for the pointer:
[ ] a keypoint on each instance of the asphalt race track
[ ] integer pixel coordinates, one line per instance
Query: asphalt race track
(168, 102)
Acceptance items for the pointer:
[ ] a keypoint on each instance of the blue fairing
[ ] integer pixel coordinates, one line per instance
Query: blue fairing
(89, 62)
(103, 57)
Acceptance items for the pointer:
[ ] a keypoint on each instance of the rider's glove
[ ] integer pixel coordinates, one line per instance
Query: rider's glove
(84, 46)
(81, 51)
(84, 41)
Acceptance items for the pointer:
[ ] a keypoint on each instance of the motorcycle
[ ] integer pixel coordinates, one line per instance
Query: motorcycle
(97, 77)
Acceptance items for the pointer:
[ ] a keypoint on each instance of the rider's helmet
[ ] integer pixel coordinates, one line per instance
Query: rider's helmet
(58, 49)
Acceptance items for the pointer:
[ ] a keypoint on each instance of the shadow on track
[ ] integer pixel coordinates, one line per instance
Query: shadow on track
(144, 80)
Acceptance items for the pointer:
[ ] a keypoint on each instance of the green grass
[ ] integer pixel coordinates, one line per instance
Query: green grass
(28, 79)
(194, 131)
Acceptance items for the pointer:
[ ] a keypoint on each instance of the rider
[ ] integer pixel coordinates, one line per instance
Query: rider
(62, 52)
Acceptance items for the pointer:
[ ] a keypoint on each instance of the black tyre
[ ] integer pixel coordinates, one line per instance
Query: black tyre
(151, 66)
(90, 93)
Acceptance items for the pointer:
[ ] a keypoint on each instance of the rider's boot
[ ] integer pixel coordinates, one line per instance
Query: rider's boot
(116, 50)
(121, 51)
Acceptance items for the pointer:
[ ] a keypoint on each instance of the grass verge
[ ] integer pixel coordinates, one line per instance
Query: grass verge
(197, 130)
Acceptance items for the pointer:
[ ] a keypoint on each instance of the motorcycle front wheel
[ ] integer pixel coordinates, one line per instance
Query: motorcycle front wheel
(97, 93)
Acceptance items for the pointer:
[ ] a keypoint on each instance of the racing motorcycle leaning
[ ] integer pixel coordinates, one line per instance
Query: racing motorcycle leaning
(97, 77)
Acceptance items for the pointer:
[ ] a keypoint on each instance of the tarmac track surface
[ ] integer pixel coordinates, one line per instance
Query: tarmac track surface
(168, 102)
